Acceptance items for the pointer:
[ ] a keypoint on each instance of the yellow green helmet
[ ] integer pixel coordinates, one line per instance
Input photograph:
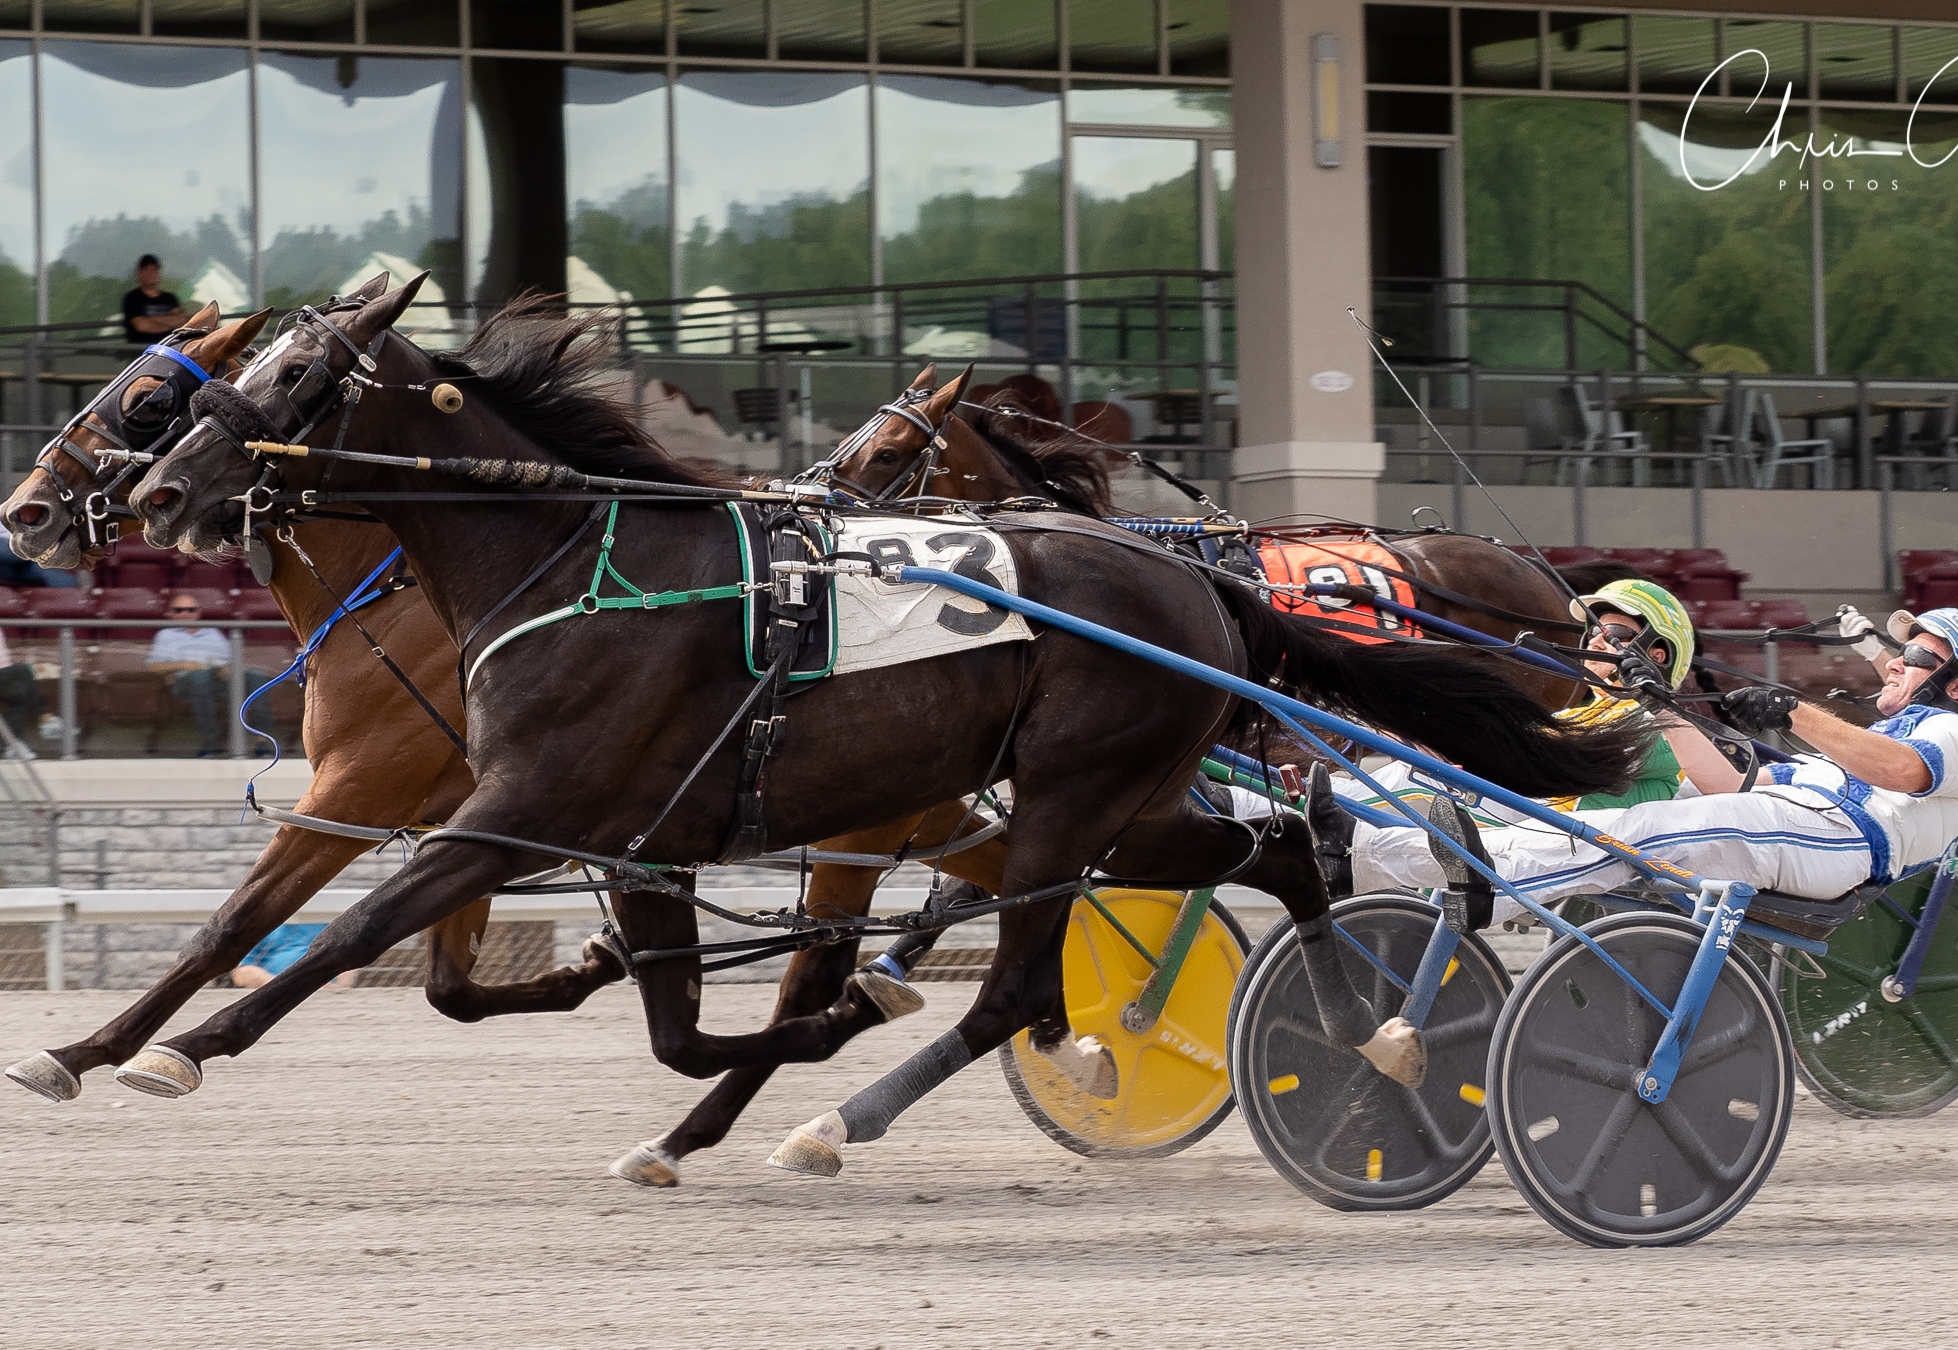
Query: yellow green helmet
(1658, 607)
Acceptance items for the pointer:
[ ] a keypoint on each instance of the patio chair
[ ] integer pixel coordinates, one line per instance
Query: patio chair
(1607, 436)
(1552, 425)
(1728, 442)
(1781, 453)
(1937, 437)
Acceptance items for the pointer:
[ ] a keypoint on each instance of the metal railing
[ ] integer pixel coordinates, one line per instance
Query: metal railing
(1426, 317)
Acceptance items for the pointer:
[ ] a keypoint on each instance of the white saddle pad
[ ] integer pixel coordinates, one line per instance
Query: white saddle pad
(880, 624)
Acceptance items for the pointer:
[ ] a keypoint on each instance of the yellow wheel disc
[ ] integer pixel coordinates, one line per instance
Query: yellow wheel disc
(1174, 1086)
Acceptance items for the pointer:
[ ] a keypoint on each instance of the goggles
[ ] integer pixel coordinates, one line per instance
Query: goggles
(1917, 656)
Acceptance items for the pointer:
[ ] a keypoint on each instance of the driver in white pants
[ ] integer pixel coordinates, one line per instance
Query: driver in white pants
(1873, 805)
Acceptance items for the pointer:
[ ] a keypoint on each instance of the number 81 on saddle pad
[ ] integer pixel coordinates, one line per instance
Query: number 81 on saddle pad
(864, 623)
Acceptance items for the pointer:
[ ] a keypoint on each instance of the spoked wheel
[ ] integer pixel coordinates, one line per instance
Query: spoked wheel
(1858, 1052)
(1593, 1158)
(1173, 1086)
(1327, 1120)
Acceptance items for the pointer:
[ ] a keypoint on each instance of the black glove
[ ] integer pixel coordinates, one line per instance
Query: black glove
(1642, 675)
(1753, 711)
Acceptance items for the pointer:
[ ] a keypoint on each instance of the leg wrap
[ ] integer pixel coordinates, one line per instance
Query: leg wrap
(1342, 1012)
(868, 1114)
(898, 959)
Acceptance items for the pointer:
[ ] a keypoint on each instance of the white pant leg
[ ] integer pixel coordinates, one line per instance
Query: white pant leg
(1401, 856)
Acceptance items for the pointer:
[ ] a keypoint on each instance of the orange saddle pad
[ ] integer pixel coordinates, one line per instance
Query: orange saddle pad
(1341, 562)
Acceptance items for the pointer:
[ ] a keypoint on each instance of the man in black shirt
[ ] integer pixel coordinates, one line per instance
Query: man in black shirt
(148, 312)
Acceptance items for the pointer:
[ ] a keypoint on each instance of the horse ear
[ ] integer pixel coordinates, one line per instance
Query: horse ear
(213, 351)
(369, 289)
(926, 377)
(946, 400)
(377, 316)
(205, 318)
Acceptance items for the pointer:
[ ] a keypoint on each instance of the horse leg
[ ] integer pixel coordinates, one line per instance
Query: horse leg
(291, 870)
(438, 881)
(453, 946)
(815, 979)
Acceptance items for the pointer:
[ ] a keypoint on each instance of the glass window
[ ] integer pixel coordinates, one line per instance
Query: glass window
(1223, 167)
(1546, 196)
(111, 197)
(921, 32)
(1118, 36)
(306, 20)
(1785, 45)
(1587, 52)
(1409, 114)
(92, 16)
(198, 18)
(16, 187)
(1408, 44)
(969, 178)
(1891, 281)
(518, 211)
(1931, 57)
(16, 13)
(414, 23)
(726, 28)
(1199, 37)
(819, 30)
(625, 26)
(1015, 34)
(516, 25)
(773, 180)
(1152, 106)
(1856, 61)
(1499, 48)
(1135, 204)
(359, 170)
(1674, 55)
(1729, 265)
(616, 183)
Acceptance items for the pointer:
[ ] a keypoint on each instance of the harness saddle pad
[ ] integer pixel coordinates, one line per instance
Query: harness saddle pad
(1343, 560)
(795, 539)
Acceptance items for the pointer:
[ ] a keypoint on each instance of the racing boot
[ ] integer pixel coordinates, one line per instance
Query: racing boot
(1332, 833)
(1469, 903)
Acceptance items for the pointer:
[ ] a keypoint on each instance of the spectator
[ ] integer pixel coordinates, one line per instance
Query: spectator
(20, 701)
(195, 660)
(149, 311)
(277, 951)
(17, 571)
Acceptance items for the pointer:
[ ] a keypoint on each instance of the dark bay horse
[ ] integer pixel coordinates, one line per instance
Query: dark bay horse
(576, 746)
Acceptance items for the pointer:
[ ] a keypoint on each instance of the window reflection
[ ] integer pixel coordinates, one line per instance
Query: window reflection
(306, 20)
(1586, 52)
(198, 18)
(615, 177)
(414, 23)
(1407, 44)
(726, 28)
(1136, 203)
(1931, 58)
(516, 25)
(16, 187)
(1856, 61)
(359, 172)
(111, 197)
(1151, 106)
(819, 30)
(1118, 36)
(1223, 168)
(1785, 45)
(1729, 266)
(773, 186)
(92, 16)
(1546, 195)
(625, 26)
(969, 178)
(921, 32)
(1017, 33)
(1199, 33)
(16, 14)
(1499, 48)
(1891, 281)
(1674, 55)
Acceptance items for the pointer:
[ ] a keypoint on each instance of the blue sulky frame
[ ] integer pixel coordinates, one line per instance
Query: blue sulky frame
(1720, 907)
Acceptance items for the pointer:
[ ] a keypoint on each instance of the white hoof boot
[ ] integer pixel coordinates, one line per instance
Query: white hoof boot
(1397, 1051)
(161, 1072)
(1089, 1065)
(648, 1165)
(43, 1073)
(815, 1149)
(893, 998)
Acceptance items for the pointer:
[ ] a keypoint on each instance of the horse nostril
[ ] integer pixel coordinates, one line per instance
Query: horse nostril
(29, 514)
(163, 497)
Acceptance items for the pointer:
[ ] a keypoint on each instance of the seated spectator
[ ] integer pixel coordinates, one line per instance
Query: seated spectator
(277, 951)
(195, 659)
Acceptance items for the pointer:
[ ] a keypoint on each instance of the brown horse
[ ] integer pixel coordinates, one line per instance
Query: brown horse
(379, 760)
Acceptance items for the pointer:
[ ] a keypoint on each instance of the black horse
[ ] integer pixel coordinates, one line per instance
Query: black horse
(582, 733)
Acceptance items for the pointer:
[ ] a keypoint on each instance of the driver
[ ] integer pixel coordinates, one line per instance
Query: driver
(1873, 804)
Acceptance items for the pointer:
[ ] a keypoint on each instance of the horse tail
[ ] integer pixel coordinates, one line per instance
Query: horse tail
(1452, 703)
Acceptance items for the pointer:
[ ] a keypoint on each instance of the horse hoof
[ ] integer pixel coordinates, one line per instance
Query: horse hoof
(893, 998)
(161, 1072)
(1397, 1051)
(1089, 1065)
(606, 948)
(813, 1149)
(648, 1165)
(45, 1074)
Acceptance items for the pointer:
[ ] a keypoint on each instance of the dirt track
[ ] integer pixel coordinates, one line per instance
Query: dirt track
(374, 1175)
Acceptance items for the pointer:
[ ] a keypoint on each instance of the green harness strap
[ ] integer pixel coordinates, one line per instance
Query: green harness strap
(591, 602)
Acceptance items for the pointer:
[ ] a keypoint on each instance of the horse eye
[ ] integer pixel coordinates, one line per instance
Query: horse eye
(886, 456)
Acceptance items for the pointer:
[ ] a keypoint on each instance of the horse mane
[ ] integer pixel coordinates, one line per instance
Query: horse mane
(544, 371)
(1070, 468)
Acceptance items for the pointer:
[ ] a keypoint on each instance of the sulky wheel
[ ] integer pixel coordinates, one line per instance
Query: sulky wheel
(1860, 1053)
(1594, 1159)
(1328, 1121)
(1173, 1086)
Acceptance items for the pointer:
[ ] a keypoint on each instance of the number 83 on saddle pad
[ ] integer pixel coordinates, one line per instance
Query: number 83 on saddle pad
(864, 623)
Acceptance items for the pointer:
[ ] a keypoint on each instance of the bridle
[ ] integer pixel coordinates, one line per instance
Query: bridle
(920, 469)
(159, 418)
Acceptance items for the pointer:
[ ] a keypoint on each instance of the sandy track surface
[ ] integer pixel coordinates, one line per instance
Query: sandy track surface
(372, 1174)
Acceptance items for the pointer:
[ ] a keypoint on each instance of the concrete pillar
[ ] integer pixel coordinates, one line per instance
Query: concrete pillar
(1304, 384)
